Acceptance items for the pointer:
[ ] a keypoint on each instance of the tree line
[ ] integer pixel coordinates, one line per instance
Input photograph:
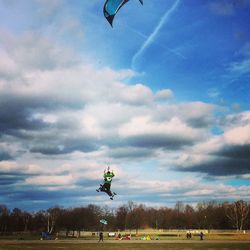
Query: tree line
(130, 216)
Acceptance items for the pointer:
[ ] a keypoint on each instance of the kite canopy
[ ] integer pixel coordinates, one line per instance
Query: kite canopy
(111, 7)
(103, 221)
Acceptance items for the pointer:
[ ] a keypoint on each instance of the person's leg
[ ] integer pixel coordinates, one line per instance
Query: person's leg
(106, 186)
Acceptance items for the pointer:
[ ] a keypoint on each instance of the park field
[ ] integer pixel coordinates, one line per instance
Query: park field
(173, 235)
(130, 245)
(169, 240)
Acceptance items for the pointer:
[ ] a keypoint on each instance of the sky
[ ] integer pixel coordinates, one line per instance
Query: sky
(162, 97)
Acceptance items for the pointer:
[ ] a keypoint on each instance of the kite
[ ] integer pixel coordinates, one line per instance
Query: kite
(104, 222)
(111, 7)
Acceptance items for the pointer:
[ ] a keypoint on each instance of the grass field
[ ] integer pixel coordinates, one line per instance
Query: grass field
(122, 246)
(169, 240)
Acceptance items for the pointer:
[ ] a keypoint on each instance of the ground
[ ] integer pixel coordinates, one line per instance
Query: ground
(169, 240)
(122, 245)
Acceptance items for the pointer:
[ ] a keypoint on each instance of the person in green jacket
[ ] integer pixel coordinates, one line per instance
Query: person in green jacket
(105, 187)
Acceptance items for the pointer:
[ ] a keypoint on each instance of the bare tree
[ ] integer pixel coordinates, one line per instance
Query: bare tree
(179, 207)
(26, 220)
(136, 217)
(52, 216)
(121, 216)
(237, 213)
(4, 219)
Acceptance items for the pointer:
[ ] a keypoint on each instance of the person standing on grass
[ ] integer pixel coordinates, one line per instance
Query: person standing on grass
(100, 236)
(201, 235)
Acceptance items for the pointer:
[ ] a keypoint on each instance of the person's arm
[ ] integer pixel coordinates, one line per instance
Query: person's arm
(105, 172)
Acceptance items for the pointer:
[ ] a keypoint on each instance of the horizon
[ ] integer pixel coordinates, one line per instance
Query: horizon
(162, 97)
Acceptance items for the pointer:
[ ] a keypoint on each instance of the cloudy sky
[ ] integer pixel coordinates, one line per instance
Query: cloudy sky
(163, 97)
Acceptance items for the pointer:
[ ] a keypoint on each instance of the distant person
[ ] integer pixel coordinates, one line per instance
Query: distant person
(189, 235)
(201, 235)
(100, 236)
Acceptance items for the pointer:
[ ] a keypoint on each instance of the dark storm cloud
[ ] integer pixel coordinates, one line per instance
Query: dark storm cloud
(35, 198)
(8, 179)
(16, 110)
(52, 196)
(4, 156)
(199, 122)
(38, 194)
(241, 152)
(159, 141)
(56, 145)
(48, 150)
(220, 166)
(233, 160)
(17, 119)
(230, 160)
(130, 153)
(15, 113)
(11, 172)
(14, 188)
(86, 183)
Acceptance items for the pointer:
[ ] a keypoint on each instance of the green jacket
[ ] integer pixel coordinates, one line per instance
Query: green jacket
(108, 177)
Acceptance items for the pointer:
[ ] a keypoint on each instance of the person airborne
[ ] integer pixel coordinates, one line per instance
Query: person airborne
(106, 186)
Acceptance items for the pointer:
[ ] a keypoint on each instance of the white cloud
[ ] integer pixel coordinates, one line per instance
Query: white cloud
(51, 180)
(242, 67)
(145, 126)
(8, 67)
(188, 189)
(9, 166)
(238, 135)
(32, 51)
(136, 94)
(164, 94)
(245, 176)
(46, 118)
(33, 169)
(14, 168)
(221, 155)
